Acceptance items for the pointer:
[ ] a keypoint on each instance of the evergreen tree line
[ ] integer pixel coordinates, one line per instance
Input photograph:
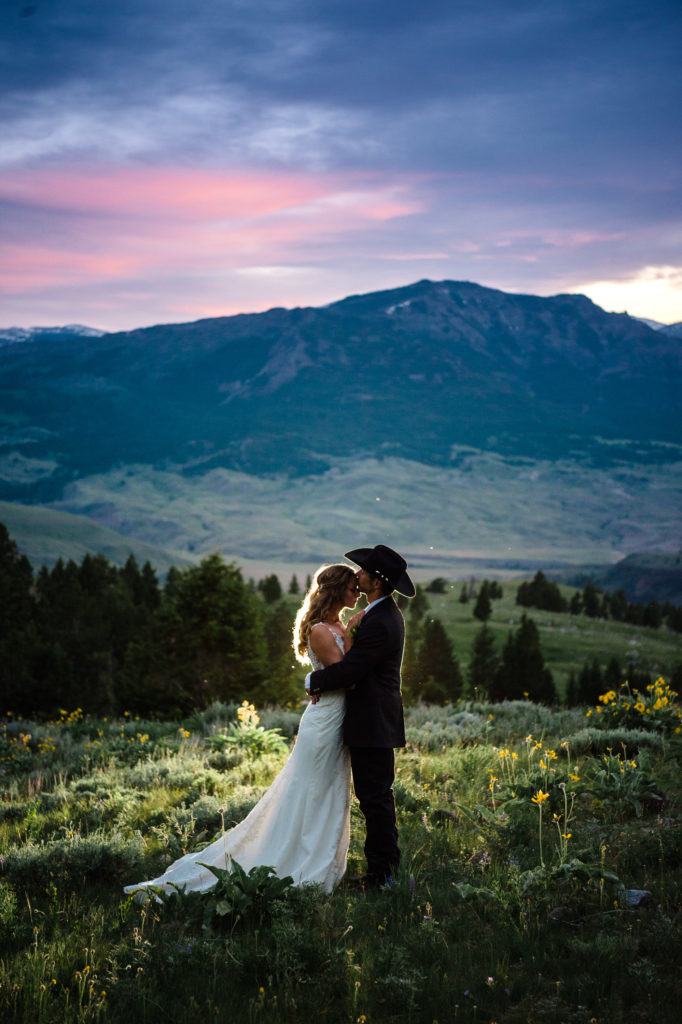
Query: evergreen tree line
(432, 673)
(598, 604)
(109, 639)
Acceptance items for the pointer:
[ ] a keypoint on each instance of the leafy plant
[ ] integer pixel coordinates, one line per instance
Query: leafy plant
(236, 894)
(616, 781)
(248, 735)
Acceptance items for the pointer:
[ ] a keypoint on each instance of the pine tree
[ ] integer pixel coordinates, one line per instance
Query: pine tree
(209, 639)
(418, 604)
(438, 671)
(283, 681)
(293, 585)
(464, 594)
(541, 593)
(619, 605)
(270, 588)
(591, 602)
(613, 677)
(409, 671)
(590, 683)
(18, 633)
(484, 662)
(522, 672)
(483, 608)
(653, 615)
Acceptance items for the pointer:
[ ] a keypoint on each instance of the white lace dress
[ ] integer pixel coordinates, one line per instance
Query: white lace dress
(301, 825)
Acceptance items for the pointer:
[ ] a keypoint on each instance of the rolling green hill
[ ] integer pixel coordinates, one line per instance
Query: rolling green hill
(44, 535)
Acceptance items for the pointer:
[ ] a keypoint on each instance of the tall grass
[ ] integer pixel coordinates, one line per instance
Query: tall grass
(509, 906)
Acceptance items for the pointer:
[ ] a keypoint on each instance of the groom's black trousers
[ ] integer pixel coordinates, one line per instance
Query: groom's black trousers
(373, 772)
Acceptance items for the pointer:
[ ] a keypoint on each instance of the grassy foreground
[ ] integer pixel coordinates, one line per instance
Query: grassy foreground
(541, 877)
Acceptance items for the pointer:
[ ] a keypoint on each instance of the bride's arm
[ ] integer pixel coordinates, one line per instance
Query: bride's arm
(323, 645)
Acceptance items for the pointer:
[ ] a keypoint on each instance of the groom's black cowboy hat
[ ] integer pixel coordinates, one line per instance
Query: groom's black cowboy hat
(385, 563)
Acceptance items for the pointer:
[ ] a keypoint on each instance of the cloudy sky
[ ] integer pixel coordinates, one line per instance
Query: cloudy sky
(164, 160)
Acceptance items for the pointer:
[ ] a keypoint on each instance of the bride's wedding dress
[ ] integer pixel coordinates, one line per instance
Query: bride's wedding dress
(301, 825)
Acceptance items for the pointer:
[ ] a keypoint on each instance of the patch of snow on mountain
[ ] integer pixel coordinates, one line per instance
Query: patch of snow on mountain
(14, 335)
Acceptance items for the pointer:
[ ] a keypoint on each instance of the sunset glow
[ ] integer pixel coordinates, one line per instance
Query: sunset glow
(151, 167)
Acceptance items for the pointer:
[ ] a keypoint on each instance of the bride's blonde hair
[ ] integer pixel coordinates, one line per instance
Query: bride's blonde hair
(325, 593)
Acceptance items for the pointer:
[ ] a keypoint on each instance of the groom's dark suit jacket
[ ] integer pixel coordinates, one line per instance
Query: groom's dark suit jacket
(370, 672)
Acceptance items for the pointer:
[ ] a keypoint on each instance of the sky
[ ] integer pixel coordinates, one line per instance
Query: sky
(167, 160)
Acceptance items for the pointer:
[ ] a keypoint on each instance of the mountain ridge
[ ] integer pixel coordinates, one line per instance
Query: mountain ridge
(406, 381)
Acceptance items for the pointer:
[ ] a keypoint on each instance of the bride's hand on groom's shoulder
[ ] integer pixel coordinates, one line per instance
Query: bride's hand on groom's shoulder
(352, 630)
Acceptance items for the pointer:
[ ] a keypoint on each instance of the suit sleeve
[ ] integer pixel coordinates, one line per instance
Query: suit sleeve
(368, 650)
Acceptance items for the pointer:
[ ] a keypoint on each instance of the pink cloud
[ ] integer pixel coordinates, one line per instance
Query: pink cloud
(147, 192)
(150, 221)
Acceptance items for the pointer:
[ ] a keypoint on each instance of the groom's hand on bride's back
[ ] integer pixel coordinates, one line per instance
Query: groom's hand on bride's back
(314, 697)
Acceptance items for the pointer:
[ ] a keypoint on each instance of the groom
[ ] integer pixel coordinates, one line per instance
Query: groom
(373, 724)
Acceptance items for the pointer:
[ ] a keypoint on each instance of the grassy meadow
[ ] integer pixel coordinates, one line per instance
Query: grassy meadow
(541, 878)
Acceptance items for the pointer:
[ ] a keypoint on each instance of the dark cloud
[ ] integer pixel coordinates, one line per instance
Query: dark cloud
(519, 123)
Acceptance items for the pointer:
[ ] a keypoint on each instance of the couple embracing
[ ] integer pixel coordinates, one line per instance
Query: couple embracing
(301, 825)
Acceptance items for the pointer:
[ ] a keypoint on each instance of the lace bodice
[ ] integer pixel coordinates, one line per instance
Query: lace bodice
(314, 660)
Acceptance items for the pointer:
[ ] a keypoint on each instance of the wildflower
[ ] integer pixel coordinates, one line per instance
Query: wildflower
(639, 706)
(576, 778)
(247, 715)
(539, 797)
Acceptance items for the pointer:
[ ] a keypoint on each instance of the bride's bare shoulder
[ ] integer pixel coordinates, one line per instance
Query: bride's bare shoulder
(323, 643)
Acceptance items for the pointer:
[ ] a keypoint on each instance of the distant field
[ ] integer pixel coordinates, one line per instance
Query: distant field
(484, 509)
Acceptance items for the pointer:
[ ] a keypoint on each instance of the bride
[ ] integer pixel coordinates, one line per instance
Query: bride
(301, 825)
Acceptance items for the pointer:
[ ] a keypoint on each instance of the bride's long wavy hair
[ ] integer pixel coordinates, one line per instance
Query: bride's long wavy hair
(326, 591)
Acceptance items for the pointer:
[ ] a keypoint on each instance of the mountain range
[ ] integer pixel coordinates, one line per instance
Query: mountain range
(459, 423)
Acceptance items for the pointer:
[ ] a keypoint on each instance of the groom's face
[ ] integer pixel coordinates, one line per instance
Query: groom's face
(368, 585)
(364, 580)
